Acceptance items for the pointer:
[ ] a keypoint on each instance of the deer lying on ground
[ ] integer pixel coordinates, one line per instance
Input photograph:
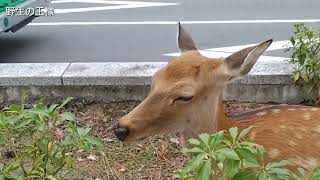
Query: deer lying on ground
(186, 97)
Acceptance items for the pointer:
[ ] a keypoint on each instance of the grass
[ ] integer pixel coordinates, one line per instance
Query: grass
(152, 158)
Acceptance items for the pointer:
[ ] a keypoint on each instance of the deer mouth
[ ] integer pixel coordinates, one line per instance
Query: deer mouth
(121, 133)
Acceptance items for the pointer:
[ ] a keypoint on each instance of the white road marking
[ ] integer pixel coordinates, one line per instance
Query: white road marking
(276, 45)
(212, 54)
(226, 51)
(175, 22)
(115, 5)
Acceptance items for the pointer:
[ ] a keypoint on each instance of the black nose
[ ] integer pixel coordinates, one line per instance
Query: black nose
(121, 132)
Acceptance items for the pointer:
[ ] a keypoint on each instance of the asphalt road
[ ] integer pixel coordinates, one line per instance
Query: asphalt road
(147, 33)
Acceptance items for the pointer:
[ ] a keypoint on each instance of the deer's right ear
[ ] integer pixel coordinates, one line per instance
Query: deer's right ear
(240, 63)
(184, 40)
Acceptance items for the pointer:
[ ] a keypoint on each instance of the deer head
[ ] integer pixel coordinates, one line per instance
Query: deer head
(186, 94)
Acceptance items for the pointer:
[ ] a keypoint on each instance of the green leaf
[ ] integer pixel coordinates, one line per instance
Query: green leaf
(278, 164)
(231, 168)
(40, 125)
(49, 168)
(67, 141)
(229, 154)
(296, 76)
(51, 177)
(83, 131)
(39, 160)
(304, 77)
(263, 176)
(205, 171)
(245, 176)
(9, 177)
(315, 174)
(39, 104)
(14, 108)
(276, 177)
(69, 162)
(58, 161)
(279, 171)
(42, 145)
(194, 141)
(217, 139)
(68, 116)
(12, 167)
(302, 56)
(65, 102)
(53, 107)
(3, 139)
(204, 137)
(193, 163)
(261, 152)
(192, 150)
(94, 141)
(233, 132)
(301, 171)
(245, 132)
(39, 112)
(22, 123)
(248, 156)
(3, 122)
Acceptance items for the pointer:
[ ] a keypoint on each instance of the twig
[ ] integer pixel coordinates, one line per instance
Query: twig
(315, 51)
(107, 162)
(23, 169)
(64, 163)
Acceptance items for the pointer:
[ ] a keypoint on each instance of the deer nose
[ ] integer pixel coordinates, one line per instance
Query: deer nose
(121, 132)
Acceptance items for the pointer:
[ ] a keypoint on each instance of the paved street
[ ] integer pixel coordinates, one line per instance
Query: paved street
(107, 31)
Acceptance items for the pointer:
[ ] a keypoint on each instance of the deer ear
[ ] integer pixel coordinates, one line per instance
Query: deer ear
(240, 63)
(184, 40)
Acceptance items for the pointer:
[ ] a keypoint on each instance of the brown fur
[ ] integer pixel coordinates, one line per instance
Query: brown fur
(287, 132)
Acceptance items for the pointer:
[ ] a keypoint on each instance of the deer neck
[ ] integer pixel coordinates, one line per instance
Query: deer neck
(209, 121)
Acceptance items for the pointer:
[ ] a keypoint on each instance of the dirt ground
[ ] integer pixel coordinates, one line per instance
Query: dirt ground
(153, 158)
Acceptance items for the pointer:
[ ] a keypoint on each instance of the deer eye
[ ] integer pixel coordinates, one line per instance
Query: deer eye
(184, 98)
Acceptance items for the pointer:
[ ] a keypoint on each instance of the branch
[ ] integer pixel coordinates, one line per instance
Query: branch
(64, 163)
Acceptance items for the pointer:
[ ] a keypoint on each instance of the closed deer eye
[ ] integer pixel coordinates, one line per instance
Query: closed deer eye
(184, 98)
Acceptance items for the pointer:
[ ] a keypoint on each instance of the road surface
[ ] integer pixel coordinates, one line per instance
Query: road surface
(109, 31)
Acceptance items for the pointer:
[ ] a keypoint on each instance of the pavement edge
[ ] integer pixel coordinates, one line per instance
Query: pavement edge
(119, 81)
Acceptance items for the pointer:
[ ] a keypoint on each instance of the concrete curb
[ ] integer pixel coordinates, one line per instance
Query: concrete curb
(110, 73)
(116, 81)
(34, 74)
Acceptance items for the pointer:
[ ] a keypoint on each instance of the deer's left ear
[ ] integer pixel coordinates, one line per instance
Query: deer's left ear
(184, 40)
(240, 63)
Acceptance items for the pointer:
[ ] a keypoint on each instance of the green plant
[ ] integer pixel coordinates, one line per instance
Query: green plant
(42, 140)
(228, 156)
(305, 55)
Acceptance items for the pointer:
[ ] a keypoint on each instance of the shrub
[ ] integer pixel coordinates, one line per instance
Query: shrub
(305, 56)
(42, 140)
(228, 156)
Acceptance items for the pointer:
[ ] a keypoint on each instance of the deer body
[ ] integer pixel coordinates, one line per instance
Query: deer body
(288, 132)
(186, 98)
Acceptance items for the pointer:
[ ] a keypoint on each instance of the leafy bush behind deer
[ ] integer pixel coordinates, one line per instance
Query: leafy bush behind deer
(305, 57)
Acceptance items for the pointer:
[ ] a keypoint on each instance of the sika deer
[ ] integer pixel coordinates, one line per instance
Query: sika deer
(186, 97)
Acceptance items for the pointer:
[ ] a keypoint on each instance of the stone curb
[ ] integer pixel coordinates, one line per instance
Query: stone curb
(267, 81)
(36, 74)
(118, 73)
